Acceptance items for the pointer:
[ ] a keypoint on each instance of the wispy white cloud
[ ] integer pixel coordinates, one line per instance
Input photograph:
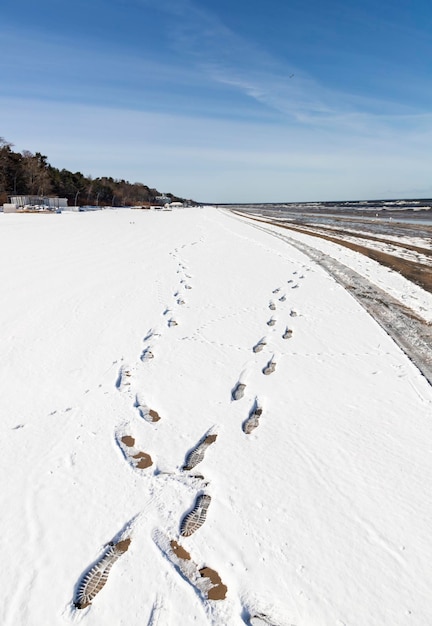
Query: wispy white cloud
(217, 160)
(208, 67)
(230, 60)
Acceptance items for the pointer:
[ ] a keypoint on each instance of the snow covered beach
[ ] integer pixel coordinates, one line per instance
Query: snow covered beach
(129, 339)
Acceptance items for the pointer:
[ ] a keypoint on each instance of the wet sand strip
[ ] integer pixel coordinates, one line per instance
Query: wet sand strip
(327, 231)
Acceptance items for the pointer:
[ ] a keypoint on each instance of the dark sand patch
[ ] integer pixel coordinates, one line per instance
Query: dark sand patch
(144, 460)
(204, 579)
(155, 417)
(136, 458)
(218, 590)
(149, 415)
(180, 551)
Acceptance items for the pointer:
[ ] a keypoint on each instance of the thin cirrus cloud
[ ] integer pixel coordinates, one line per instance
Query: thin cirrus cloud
(204, 65)
(228, 59)
(215, 160)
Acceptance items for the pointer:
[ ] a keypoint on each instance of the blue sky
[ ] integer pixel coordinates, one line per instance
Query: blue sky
(227, 101)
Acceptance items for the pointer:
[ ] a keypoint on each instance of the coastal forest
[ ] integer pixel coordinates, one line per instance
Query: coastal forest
(25, 173)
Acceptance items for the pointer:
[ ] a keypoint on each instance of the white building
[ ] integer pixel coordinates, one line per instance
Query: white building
(173, 205)
(34, 203)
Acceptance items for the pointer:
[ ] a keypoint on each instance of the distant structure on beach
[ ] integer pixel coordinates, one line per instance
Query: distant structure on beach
(34, 203)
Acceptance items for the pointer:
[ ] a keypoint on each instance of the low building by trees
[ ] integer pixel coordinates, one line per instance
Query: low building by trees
(30, 174)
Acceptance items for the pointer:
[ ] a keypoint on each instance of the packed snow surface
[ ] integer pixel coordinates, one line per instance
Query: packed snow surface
(200, 426)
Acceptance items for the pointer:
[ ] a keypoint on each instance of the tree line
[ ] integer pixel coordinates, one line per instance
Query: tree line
(28, 174)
